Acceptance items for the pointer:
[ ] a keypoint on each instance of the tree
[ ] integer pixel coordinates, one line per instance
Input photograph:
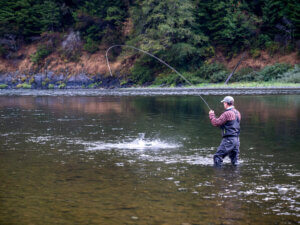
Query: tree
(272, 13)
(227, 23)
(167, 29)
(98, 19)
(50, 16)
(293, 13)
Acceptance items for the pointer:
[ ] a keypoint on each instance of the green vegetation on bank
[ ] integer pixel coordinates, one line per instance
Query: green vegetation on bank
(184, 33)
(24, 85)
(3, 86)
(270, 84)
(216, 73)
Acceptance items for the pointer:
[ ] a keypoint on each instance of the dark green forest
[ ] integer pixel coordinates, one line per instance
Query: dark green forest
(184, 33)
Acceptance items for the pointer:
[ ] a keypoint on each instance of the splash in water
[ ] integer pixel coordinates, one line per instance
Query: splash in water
(140, 143)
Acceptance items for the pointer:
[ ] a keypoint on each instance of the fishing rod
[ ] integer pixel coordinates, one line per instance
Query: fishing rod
(163, 62)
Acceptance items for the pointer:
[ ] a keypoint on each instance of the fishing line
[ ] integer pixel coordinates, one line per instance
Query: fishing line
(163, 62)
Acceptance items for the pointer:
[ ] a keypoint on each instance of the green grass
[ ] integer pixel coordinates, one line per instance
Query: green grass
(250, 84)
(242, 85)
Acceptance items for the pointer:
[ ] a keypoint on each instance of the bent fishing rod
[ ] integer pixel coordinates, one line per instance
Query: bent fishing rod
(160, 60)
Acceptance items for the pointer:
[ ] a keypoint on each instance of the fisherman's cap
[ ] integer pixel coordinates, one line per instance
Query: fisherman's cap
(228, 99)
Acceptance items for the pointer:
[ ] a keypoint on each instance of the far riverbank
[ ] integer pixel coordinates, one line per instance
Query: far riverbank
(153, 91)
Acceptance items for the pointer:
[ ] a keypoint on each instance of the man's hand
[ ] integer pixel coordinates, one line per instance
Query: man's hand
(211, 111)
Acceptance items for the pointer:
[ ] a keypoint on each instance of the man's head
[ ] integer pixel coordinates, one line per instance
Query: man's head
(228, 101)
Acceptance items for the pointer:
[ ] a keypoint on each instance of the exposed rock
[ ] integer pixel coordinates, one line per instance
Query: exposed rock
(79, 80)
(39, 78)
(71, 43)
(43, 80)
(109, 82)
(56, 78)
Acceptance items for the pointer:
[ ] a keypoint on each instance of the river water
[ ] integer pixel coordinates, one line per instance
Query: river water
(108, 159)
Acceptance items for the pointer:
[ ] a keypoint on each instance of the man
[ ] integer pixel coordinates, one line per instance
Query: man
(229, 122)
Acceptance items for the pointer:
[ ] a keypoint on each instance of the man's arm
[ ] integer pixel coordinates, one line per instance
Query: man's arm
(218, 121)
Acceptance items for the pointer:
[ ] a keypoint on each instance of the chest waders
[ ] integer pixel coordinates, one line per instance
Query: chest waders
(230, 142)
(231, 128)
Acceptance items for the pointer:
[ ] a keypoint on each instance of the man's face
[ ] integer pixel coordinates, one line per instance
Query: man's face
(225, 105)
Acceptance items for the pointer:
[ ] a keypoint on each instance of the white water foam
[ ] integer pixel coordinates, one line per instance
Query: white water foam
(137, 144)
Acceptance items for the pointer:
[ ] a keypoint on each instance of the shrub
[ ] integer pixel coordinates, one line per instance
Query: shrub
(3, 51)
(292, 76)
(289, 48)
(90, 46)
(31, 81)
(141, 74)
(272, 47)
(174, 79)
(273, 72)
(255, 53)
(50, 86)
(208, 70)
(24, 85)
(192, 78)
(244, 74)
(219, 76)
(23, 79)
(262, 40)
(3, 86)
(62, 86)
(168, 80)
(93, 85)
(42, 52)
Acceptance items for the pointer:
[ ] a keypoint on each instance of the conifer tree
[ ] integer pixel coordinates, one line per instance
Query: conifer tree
(167, 28)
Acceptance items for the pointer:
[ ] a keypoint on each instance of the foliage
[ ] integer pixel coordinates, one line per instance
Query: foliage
(42, 52)
(262, 40)
(141, 74)
(93, 85)
(272, 12)
(244, 74)
(50, 86)
(219, 76)
(166, 80)
(255, 53)
(3, 86)
(24, 85)
(62, 85)
(272, 47)
(183, 33)
(253, 84)
(227, 23)
(174, 79)
(3, 51)
(166, 29)
(94, 18)
(273, 72)
(214, 72)
(29, 18)
(292, 12)
(207, 70)
(291, 76)
(90, 46)
(51, 16)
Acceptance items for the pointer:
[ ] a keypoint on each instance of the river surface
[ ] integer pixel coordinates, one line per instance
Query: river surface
(107, 159)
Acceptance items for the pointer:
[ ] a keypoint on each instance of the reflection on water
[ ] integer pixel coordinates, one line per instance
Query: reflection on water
(145, 160)
(95, 105)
